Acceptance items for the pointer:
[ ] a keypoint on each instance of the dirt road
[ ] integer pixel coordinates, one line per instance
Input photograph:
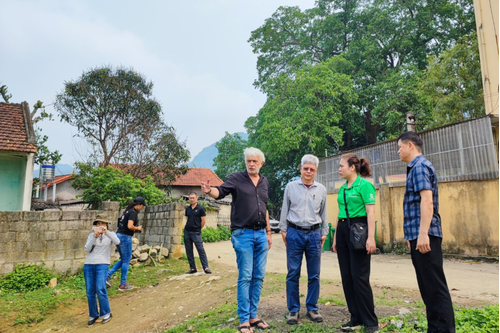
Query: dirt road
(474, 280)
(153, 309)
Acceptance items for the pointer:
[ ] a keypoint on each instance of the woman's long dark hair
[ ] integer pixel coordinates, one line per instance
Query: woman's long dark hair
(362, 165)
(130, 205)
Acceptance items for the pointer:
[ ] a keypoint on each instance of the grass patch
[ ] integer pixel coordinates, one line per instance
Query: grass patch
(477, 320)
(33, 306)
(336, 299)
(221, 320)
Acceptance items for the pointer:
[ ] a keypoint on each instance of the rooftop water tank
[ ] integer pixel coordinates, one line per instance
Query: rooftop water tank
(48, 172)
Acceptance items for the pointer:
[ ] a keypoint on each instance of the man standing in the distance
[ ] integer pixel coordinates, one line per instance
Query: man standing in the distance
(422, 229)
(195, 221)
(250, 233)
(304, 227)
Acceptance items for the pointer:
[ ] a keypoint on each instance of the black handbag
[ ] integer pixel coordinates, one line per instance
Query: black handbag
(358, 231)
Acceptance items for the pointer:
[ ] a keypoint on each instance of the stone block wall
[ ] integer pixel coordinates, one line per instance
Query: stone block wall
(56, 238)
(162, 225)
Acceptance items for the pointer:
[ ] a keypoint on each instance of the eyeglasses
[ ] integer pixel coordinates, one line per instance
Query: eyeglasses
(309, 169)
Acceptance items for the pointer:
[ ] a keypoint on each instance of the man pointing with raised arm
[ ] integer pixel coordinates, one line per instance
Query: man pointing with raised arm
(250, 233)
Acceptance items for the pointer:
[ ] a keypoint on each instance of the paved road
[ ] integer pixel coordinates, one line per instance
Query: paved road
(478, 281)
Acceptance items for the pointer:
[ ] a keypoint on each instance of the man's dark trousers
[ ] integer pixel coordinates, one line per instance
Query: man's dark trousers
(191, 237)
(433, 287)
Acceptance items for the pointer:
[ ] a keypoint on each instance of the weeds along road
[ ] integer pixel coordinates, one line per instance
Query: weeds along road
(474, 280)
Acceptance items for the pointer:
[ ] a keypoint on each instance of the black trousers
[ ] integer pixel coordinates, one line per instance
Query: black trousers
(191, 237)
(355, 273)
(433, 286)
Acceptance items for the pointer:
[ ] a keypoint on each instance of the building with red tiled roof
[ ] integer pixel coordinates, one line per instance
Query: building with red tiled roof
(17, 153)
(191, 181)
(65, 195)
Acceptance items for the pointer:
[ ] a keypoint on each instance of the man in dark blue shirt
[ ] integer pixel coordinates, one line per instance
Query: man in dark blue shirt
(250, 233)
(422, 229)
(195, 221)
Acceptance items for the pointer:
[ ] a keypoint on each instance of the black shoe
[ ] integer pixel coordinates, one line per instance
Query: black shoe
(192, 271)
(371, 329)
(92, 321)
(105, 320)
(208, 271)
(350, 326)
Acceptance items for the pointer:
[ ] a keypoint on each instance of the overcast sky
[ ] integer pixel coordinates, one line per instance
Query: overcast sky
(195, 52)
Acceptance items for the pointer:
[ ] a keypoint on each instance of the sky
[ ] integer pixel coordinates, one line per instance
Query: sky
(195, 52)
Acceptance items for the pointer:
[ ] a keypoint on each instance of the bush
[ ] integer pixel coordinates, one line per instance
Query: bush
(26, 278)
(211, 235)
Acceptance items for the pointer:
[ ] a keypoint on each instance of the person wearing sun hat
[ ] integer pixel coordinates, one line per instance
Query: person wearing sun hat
(128, 224)
(95, 269)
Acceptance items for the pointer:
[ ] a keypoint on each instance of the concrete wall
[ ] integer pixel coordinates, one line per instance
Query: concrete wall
(53, 237)
(469, 217)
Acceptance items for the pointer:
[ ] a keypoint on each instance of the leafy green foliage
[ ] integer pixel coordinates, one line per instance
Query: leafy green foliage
(26, 278)
(108, 183)
(4, 92)
(211, 235)
(451, 87)
(483, 320)
(480, 320)
(302, 116)
(114, 110)
(230, 157)
(386, 42)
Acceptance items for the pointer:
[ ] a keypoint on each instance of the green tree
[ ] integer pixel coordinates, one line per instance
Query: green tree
(108, 183)
(302, 116)
(115, 111)
(230, 157)
(451, 87)
(387, 43)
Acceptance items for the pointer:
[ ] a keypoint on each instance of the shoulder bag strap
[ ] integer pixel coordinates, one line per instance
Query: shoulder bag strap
(346, 211)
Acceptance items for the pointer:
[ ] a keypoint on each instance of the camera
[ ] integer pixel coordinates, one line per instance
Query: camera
(99, 229)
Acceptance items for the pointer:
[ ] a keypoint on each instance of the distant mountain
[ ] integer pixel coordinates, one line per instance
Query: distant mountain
(205, 158)
(61, 169)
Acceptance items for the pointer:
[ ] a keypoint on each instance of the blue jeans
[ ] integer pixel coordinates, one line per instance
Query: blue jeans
(251, 248)
(95, 283)
(298, 243)
(125, 250)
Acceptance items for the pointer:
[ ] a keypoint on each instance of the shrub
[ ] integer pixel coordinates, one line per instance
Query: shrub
(210, 235)
(26, 278)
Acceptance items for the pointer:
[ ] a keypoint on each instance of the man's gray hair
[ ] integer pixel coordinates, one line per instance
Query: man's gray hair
(309, 159)
(254, 152)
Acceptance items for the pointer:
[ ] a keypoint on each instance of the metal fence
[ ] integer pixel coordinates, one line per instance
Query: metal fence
(462, 151)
